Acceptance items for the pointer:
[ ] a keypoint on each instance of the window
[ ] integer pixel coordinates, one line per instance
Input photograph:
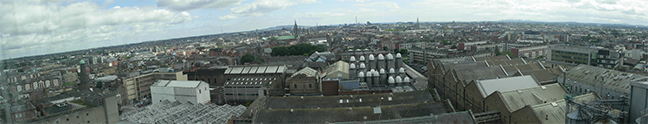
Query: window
(199, 91)
(87, 114)
(310, 86)
(77, 116)
(88, 121)
(67, 119)
(295, 85)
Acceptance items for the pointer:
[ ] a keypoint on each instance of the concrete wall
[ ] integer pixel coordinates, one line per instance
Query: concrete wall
(301, 85)
(159, 94)
(495, 102)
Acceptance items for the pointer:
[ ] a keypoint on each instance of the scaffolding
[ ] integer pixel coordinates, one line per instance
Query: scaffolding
(167, 112)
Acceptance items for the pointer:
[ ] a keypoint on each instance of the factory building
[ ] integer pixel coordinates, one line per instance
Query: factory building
(194, 92)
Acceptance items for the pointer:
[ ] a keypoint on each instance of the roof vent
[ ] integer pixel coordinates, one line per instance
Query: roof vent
(389, 98)
(302, 97)
(543, 87)
(360, 99)
(350, 108)
(519, 91)
(292, 110)
(554, 104)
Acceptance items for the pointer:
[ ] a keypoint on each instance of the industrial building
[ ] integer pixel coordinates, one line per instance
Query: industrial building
(610, 84)
(138, 86)
(166, 112)
(247, 89)
(305, 81)
(531, 51)
(598, 57)
(83, 106)
(194, 92)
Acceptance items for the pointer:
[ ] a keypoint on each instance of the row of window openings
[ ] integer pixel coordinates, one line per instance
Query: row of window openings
(309, 85)
(68, 119)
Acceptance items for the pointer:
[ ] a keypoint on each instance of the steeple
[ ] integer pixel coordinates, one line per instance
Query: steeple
(296, 30)
(417, 23)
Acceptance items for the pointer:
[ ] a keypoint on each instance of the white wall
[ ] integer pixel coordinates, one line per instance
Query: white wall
(162, 93)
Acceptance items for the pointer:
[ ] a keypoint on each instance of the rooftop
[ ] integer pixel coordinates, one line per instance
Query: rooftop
(256, 69)
(167, 112)
(347, 114)
(463, 117)
(516, 99)
(309, 72)
(469, 74)
(556, 110)
(487, 87)
(312, 102)
(613, 80)
(175, 83)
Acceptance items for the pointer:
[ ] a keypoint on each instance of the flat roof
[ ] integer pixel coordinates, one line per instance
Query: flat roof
(487, 87)
(175, 83)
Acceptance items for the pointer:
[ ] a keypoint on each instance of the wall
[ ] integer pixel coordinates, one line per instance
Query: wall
(524, 116)
(304, 85)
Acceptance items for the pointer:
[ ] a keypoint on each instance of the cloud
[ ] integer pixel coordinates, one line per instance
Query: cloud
(317, 15)
(45, 26)
(355, 0)
(186, 5)
(259, 7)
(389, 5)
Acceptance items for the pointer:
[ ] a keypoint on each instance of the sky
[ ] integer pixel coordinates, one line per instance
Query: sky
(37, 27)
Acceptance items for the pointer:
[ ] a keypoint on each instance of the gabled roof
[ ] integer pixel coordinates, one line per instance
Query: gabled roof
(613, 80)
(556, 114)
(487, 87)
(516, 99)
(309, 72)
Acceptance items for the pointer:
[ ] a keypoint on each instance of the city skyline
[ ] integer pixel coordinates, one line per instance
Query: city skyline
(36, 27)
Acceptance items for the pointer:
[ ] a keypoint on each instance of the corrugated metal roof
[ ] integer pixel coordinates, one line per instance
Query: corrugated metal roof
(550, 114)
(487, 87)
(516, 99)
(613, 80)
(339, 66)
(309, 72)
(256, 69)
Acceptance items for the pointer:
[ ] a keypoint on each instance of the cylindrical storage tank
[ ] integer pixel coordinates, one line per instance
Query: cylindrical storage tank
(368, 78)
(352, 71)
(372, 62)
(392, 72)
(362, 59)
(406, 80)
(361, 76)
(401, 72)
(399, 61)
(399, 81)
(363, 67)
(391, 81)
(383, 77)
(376, 78)
(352, 59)
(390, 61)
(381, 62)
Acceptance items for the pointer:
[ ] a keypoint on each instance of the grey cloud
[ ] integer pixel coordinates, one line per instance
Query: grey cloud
(186, 5)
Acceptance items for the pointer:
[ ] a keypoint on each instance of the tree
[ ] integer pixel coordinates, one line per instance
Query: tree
(404, 52)
(453, 47)
(385, 48)
(247, 58)
(99, 85)
(497, 51)
(446, 42)
(509, 53)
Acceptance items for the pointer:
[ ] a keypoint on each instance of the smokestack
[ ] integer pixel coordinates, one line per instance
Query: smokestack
(85, 80)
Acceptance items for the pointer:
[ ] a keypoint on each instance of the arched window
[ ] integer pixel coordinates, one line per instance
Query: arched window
(310, 86)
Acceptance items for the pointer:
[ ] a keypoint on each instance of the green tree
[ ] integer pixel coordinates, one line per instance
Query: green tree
(446, 42)
(404, 52)
(453, 47)
(509, 53)
(497, 51)
(385, 48)
(247, 58)
(99, 85)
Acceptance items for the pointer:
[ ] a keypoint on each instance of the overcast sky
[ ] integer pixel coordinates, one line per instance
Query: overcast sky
(36, 27)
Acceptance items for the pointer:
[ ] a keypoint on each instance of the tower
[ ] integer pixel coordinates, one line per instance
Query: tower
(85, 80)
(296, 31)
(417, 23)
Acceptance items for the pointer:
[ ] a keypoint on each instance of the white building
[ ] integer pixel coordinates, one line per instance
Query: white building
(195, 92)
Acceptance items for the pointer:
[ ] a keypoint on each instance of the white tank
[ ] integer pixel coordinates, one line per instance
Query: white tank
(352, 65)
(401, 72)
(361, 76)
(381, 57)
(406, 80)
(399, 80)
(362, 67)
(376, 78)
(398, 55)
(391, 81)
(383, 77)
(390, 61)
(352, 59)
(392, 72)
(362, 59)
(371, 57)
(352, 70)
(381, 62)
(369, 78)
(372, 62)
(399, 61)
